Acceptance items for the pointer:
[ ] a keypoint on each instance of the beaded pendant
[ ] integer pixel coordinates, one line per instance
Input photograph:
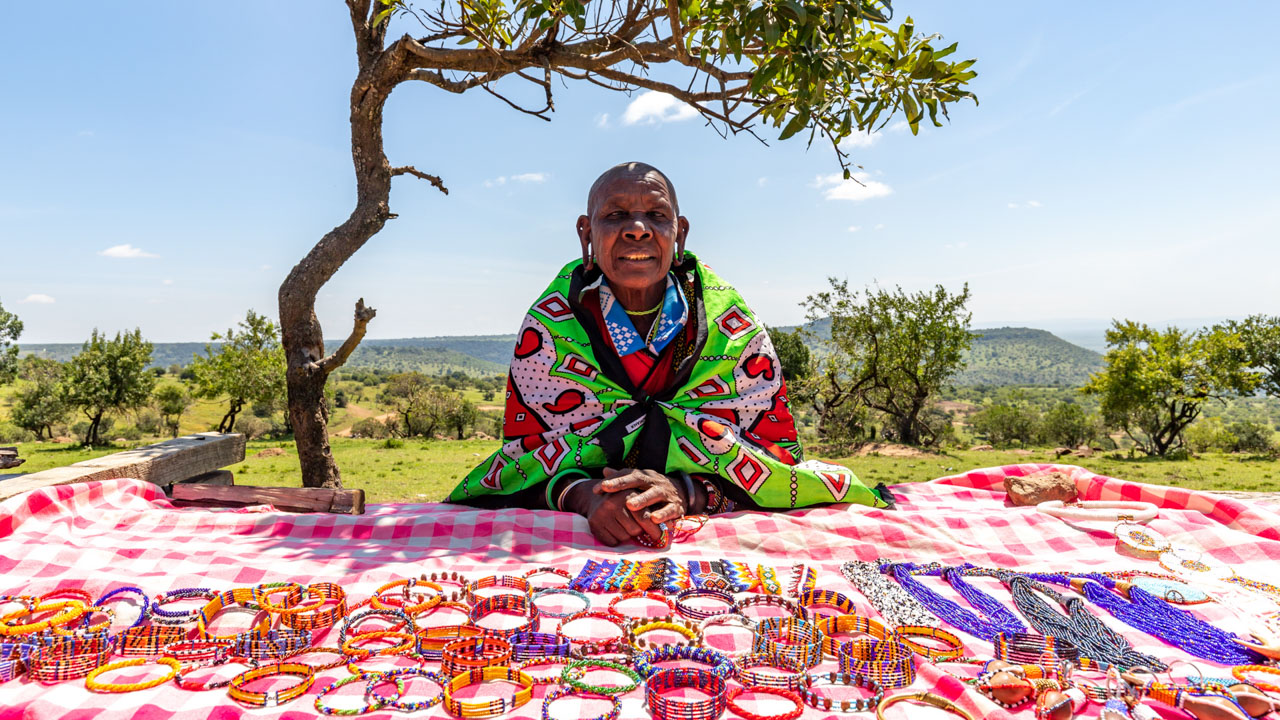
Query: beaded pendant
(1172, 591)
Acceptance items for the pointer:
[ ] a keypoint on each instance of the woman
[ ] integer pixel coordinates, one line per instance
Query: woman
(643, 389)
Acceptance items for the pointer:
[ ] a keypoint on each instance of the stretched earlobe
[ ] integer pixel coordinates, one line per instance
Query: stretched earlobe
(588, 258)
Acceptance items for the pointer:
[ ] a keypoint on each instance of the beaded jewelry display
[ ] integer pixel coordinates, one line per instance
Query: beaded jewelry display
(694, 613)
(493, 706)
(558, 614)
(790, 638)
(555, 694)
(462, 656)
(678, 708)
(745, 672)
(165, 616)
(573, 672)
(199, 651)
(991, 619)
(91, 680)
(376, 703)
(737, 692)
(719, 663)
(865, 704)
(271, 698)
(894, 604)
(312, 615)
(531, 645)
(1028, 649)
(639, 595)
(689, 631)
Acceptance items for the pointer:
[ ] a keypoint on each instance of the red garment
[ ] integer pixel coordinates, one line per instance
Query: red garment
(639, 363)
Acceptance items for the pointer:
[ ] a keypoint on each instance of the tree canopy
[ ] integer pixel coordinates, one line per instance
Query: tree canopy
(247, 367)
(1260, 345)
(10, 329)
(109, 375)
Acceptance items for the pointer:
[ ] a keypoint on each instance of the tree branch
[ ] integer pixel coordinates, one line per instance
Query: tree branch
(335, 361)
(411, 170)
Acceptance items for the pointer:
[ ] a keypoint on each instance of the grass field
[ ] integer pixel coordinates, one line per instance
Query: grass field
(421, 471)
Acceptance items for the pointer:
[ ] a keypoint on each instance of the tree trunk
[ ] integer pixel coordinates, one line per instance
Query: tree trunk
(92, 436)
(307, 366)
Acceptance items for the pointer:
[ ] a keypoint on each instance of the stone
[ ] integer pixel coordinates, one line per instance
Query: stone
(1040, 487)
(981, 448)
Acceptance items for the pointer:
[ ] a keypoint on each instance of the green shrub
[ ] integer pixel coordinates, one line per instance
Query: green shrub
(1252, 437)
(1209, 434)
(128, 432)
(393, 443)
(148, 422)
(10, 433)
(370, 428)
(251, 426)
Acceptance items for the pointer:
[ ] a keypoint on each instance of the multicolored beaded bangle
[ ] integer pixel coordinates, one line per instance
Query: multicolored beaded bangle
(745, 673)
(698, 613)
(792, 608)
(293, 597)
(432, 640)
(143, 614)
(584, 646)
(399, 703)
(273, 645)
(734, 693)
(494, 706)
(149, 640)
(343, 658)
(643, 595)
(528, 645)
(385, 663)
(552, 679)
(814, 700)
(406, 586)
(555, 694)
(377, 703)
(923, 698)
(802, 579)
(408, 642)
(197, 651)
(728, 619)
(720, 663)
(547, 570)
(163, 616)
(834, 625)
(827, 598)
(955, 649)
(227, 601)
(674, 708)
(14, 658)
(69, 658)
(314, 616)
(557, 614)
(271, 698)
(888, 662)
(184, 681)
(75, 593)
(691, 632)
(500, 582)
(84, 626)
(506, 604)
(449, 578)
(461, 656)
(91, 680)
(790, 638)
(65, 611)
(573, 672)
(352, 623)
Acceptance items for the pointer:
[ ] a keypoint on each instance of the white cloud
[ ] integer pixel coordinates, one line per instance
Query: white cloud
(126, 251)
(38, 299)
(900, 126)
(855, 228)
(1033, 203)
(1027, 204)
(879, 226)
(651, 107)
(536, 177)
(858, 189)
(500, 180)
(167, 281)
(761, 182)
(860, 140)
(602, 120)
(1013, 205)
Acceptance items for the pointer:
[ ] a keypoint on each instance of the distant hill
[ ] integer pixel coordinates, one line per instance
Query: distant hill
(1000, 356)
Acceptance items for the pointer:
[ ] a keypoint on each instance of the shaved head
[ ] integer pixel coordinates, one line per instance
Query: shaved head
(635, 170)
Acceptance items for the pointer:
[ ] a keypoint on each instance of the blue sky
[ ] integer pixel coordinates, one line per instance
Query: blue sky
(165, 169)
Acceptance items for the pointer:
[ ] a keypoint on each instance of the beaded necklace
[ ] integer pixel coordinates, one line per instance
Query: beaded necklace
(994, 623)
(892, 602)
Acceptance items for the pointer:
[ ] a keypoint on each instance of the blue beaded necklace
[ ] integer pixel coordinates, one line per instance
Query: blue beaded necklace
(997, 619)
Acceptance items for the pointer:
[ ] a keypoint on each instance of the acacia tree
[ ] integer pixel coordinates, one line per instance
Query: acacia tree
(830, 68)
(109, 375)
(1260, 338)
(10, 329)
(247, 367)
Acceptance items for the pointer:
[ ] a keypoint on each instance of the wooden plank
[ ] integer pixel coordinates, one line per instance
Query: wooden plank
(216, 477)
(163, 463)
(9, 458)
(289, 499)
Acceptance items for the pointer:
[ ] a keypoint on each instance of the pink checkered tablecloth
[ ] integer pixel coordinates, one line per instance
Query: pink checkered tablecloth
(101, 535)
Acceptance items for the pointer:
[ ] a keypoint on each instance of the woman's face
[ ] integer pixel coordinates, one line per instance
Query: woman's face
(634, 230)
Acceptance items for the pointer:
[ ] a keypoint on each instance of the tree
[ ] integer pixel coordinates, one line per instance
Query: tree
(172, 400)
(1069, 424)
(109, 375)
(892, 352)
(42, 403)
(1003, 423)
(423, 407)
(10, 329)
(1260, 338)
(248, 367)
(1154, 384)
(462, 415)
(830, 69)
(793, 354)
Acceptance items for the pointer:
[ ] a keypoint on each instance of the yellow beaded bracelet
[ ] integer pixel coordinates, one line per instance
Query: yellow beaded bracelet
(690, 632)
(91, 681)
(491, 707)
(67, 610)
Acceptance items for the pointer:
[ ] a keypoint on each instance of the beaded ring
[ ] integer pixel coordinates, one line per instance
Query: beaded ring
(178, 617)
(374, 679)
(573, 672)
(697, 613)
(664, 708)
(556, 693)
(689, 631)
(514, 604)
(923, 698)
(91, 681)
(643, 595)
(720, 663)
(146, 602)
(734, 693)
(271, 698)
(560, 615)
(814, 700)
(494, 706)
(399, 703)
(745, 673)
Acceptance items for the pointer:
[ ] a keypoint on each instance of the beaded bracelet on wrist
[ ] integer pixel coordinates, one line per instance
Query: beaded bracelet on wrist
(887, 662)
(558, 614)
(583, 646)
(574, 671)
(954, 649)
(504, 583)
(865, 704)
(684, 628)
(462, 656)
(311, 613)
(530, 645)
(272, 645)
(271, 698)
(791, 607)
(643, 595)
(678, 708)
(149, 640)
(736, 709)
(746, 674)
(555, 694)
(64, 612)
(719, 663)
(382, 601)
(92, 684)
(373, 679)
(547, 570)
(399, 703)
(509, 604)
(143, 613)
(790, 638)
(835, 625)
(698, 613)
(491, 707)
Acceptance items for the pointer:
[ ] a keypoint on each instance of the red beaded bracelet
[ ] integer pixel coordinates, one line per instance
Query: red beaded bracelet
(733, 706)
(586, 646)
(637, 595)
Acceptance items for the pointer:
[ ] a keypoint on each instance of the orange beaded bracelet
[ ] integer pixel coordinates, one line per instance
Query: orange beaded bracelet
(91, 681)
(385, 603)
(1240, 672)
(67, 610)
(271, 698)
